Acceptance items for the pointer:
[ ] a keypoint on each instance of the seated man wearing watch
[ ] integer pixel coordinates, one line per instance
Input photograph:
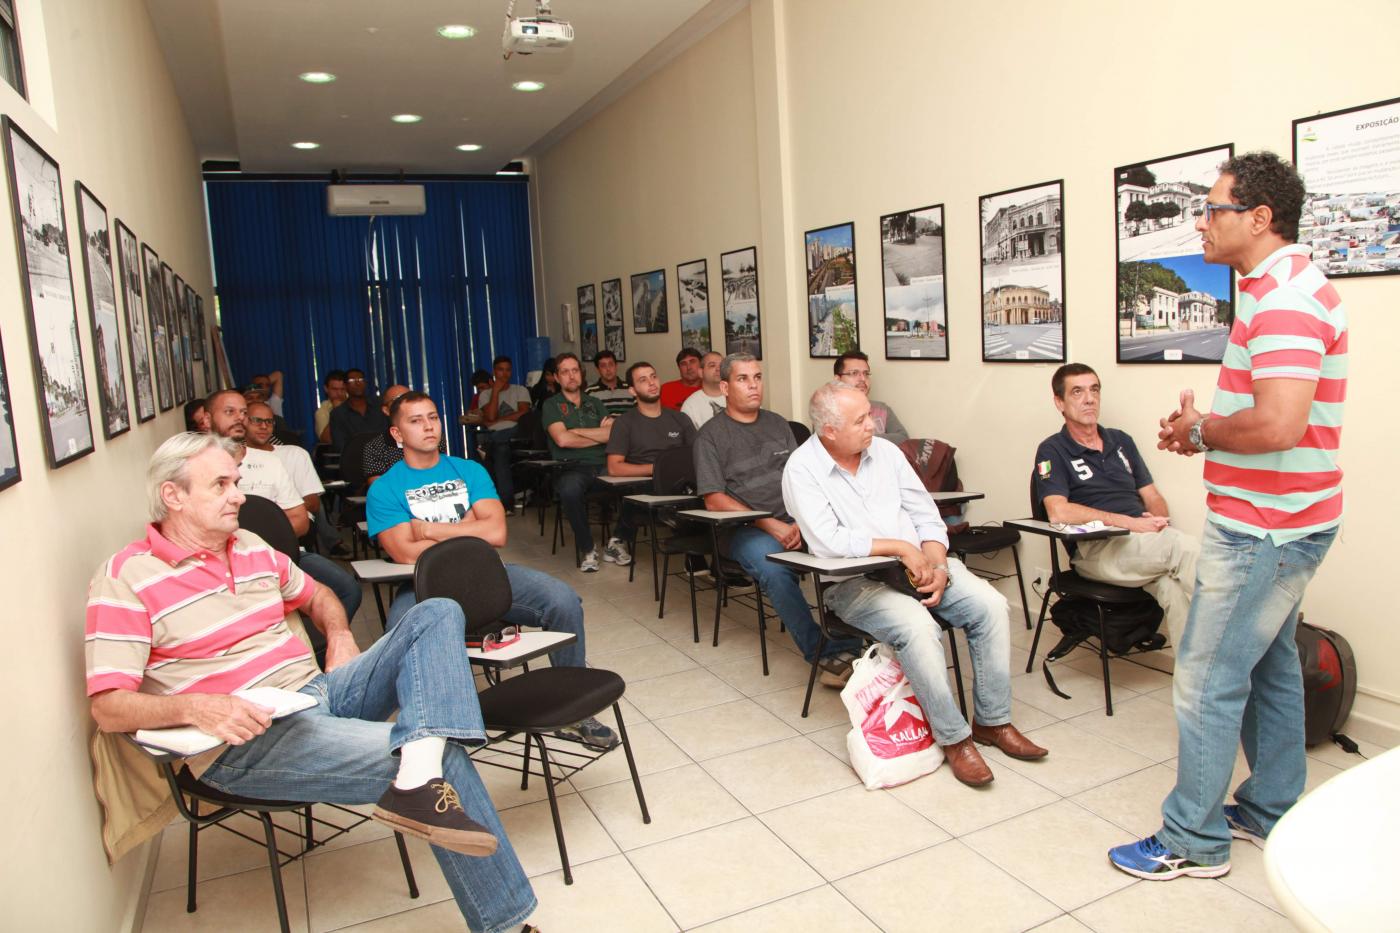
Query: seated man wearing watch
(855, 495)
(1087, 472)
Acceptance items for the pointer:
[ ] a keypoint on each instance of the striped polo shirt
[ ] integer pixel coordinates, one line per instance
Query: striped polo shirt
(165, 620)
(1289, 324)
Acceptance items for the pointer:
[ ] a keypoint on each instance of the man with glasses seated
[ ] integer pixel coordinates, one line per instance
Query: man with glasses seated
(428, 497)
(297, 462)
(358, 414)
(197, 608)
(853, 368)
(855, 495)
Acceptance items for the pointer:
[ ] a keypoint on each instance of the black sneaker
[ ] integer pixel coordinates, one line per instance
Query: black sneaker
(434, 813)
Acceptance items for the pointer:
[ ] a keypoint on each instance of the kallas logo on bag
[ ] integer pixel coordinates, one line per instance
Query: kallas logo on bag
(894, 724)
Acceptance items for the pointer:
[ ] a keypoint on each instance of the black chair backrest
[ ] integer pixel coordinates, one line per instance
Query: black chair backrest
(673, 474)
(1037, 504)
(352, 461)
(263, 518)
(800, 431)
(469, 571)
(529, 430)
(1039, 514)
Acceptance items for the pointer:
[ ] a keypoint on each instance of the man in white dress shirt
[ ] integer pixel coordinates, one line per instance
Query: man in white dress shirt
(855, 495)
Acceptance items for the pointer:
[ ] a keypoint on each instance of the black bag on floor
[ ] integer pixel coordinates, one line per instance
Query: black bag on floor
(1127, 627)
(1329, 681)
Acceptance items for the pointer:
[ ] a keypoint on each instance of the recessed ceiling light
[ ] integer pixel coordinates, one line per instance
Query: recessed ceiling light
(456, 31)
(317, 77)
(406, 118)
(528, 85)
(306, 145)
(469, 147)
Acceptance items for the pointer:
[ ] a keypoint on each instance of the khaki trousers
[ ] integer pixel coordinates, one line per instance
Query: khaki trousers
(1163, 563)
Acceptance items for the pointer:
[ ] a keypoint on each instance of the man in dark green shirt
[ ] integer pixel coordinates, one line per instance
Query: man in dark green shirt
(579, 426)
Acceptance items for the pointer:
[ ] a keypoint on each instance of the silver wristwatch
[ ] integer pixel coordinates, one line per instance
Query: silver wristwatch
(1197, 436)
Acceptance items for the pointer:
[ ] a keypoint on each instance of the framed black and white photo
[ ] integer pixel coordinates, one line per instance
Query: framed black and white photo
(41, 238)
(138, 341)
(833, 324)
(693, 300)
(1023, 274)
(614, 336)
(9, 451)
(183, 300)
(196, 344)
(115, 413)
(1350, 160)
(649, 303)
(202, 331)
(1173, 307)
(172, 334)
(587, 323)
(160, 328)
(916, 306)
(743, 331)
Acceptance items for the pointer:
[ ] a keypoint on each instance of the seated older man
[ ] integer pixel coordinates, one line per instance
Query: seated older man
(197, 609)
(855, 495)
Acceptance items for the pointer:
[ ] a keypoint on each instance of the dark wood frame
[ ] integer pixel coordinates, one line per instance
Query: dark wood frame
(170, 298)
(8, 408)
(982, 272)
(133, 313)
(156, 322)
(807, 289)
(884, 290)
(680, 315)
(757, 302)
(597, 327)
(631, 297)
(102, 400)
(603, 319)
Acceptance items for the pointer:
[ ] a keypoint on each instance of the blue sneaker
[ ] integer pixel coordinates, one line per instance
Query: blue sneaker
(1148, 858)
(1241, 827)
(592, 733)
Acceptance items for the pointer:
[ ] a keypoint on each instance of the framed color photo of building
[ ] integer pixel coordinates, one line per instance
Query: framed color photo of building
(693, 299)
(738, 274)
(114, 412)
(614, 335)
(46, 281)
(160, 328)
(1350, 160)
(138, 341)
(587, 322)
(649, 303)
(1023, 274)
(833, 325)
(1173, 307)
(916, 307)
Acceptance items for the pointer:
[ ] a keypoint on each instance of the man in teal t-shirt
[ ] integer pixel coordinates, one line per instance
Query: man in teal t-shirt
(579, 426)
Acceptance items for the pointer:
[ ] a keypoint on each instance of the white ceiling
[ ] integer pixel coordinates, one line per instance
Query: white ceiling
(235, 65)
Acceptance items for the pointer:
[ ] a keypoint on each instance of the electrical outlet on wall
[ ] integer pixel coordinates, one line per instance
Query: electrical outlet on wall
(1042, 576)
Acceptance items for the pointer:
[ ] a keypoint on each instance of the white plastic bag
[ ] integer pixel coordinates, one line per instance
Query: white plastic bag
(889, 743)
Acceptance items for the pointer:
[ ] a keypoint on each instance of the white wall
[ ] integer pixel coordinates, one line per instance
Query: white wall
(105, 110)
(863, 110)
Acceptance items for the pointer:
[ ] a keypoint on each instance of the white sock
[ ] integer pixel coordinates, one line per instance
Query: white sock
(419, 762)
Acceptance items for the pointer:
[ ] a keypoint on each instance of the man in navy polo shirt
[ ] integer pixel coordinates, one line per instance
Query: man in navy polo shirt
(1088, 472)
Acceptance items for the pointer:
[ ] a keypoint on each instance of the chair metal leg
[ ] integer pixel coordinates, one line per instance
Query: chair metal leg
(379, 603)
(1039, 626)
(957, 672)
(694, 610)
(762, 633)
(1021, 585)
(812, 677)
(554, 808)
(714, 641)
(651, 530)
(1103, 657)
(309, 833)
(274, 862)
(665, 576)
(407, 866)
(192, 868)
(631, 764)
(525, 767)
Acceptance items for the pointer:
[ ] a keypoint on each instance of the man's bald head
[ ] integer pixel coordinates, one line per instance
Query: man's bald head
(391, 394)
(261, 425)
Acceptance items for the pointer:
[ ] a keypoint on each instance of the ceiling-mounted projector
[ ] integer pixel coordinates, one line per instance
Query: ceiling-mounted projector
(539, 33)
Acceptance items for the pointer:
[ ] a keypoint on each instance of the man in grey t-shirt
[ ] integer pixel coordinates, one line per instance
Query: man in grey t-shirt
(739, 458)
(501, 404)
(640, 435)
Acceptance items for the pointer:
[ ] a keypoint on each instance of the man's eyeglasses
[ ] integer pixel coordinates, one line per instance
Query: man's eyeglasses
(356, 380)
(1209, 209)
(265, 422)
(856, 374)
(506, 636)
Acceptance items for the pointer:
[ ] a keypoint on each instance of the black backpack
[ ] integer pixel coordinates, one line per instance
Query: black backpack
(1128, 627)
(1329, 681)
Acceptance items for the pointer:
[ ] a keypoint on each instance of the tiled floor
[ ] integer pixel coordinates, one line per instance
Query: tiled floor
(759, 824)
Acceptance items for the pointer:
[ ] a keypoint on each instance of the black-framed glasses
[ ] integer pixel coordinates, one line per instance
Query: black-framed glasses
(1210, 209)
(266, 422)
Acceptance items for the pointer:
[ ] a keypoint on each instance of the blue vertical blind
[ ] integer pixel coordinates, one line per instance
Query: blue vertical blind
(419, 301)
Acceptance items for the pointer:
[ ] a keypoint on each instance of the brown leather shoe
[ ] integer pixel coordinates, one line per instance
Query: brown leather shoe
(967, 763)
(1009, 739)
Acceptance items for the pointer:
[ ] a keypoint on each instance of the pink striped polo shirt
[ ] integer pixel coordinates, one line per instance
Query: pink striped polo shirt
(1290, 324)
(165, 620)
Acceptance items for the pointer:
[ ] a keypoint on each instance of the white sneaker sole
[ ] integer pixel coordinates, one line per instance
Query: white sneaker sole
(1200, 871)
(1248, 837)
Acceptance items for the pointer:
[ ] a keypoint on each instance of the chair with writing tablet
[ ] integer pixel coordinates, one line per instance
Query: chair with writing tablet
(265, 518)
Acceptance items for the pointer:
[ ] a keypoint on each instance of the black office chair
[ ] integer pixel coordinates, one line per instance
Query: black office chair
(265, 518)
(800, 431)
(988, 540)
(1069, 584)
(352, 470)
(532, 704)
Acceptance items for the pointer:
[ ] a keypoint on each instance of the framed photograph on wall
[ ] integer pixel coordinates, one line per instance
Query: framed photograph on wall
(172, 333)
(738, 274)
(41, 238)
(183, 294)
(196, 344)
(1023, 274)
(916, 307)
(833, 324)
(115, 413)
(587, 322)
(1172, 306)
(202, 337)
(160, 328)
(614, 337)
(1350, 160)
(138, 342)
(9, 451)
(693, 299)
(649, 303)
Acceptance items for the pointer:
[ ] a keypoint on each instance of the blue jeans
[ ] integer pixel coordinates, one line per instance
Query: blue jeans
(537, 600)
(969, 603)
(1238, 681)
(573, 484)
(496, 445)
(750, 547)
(342, 751)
